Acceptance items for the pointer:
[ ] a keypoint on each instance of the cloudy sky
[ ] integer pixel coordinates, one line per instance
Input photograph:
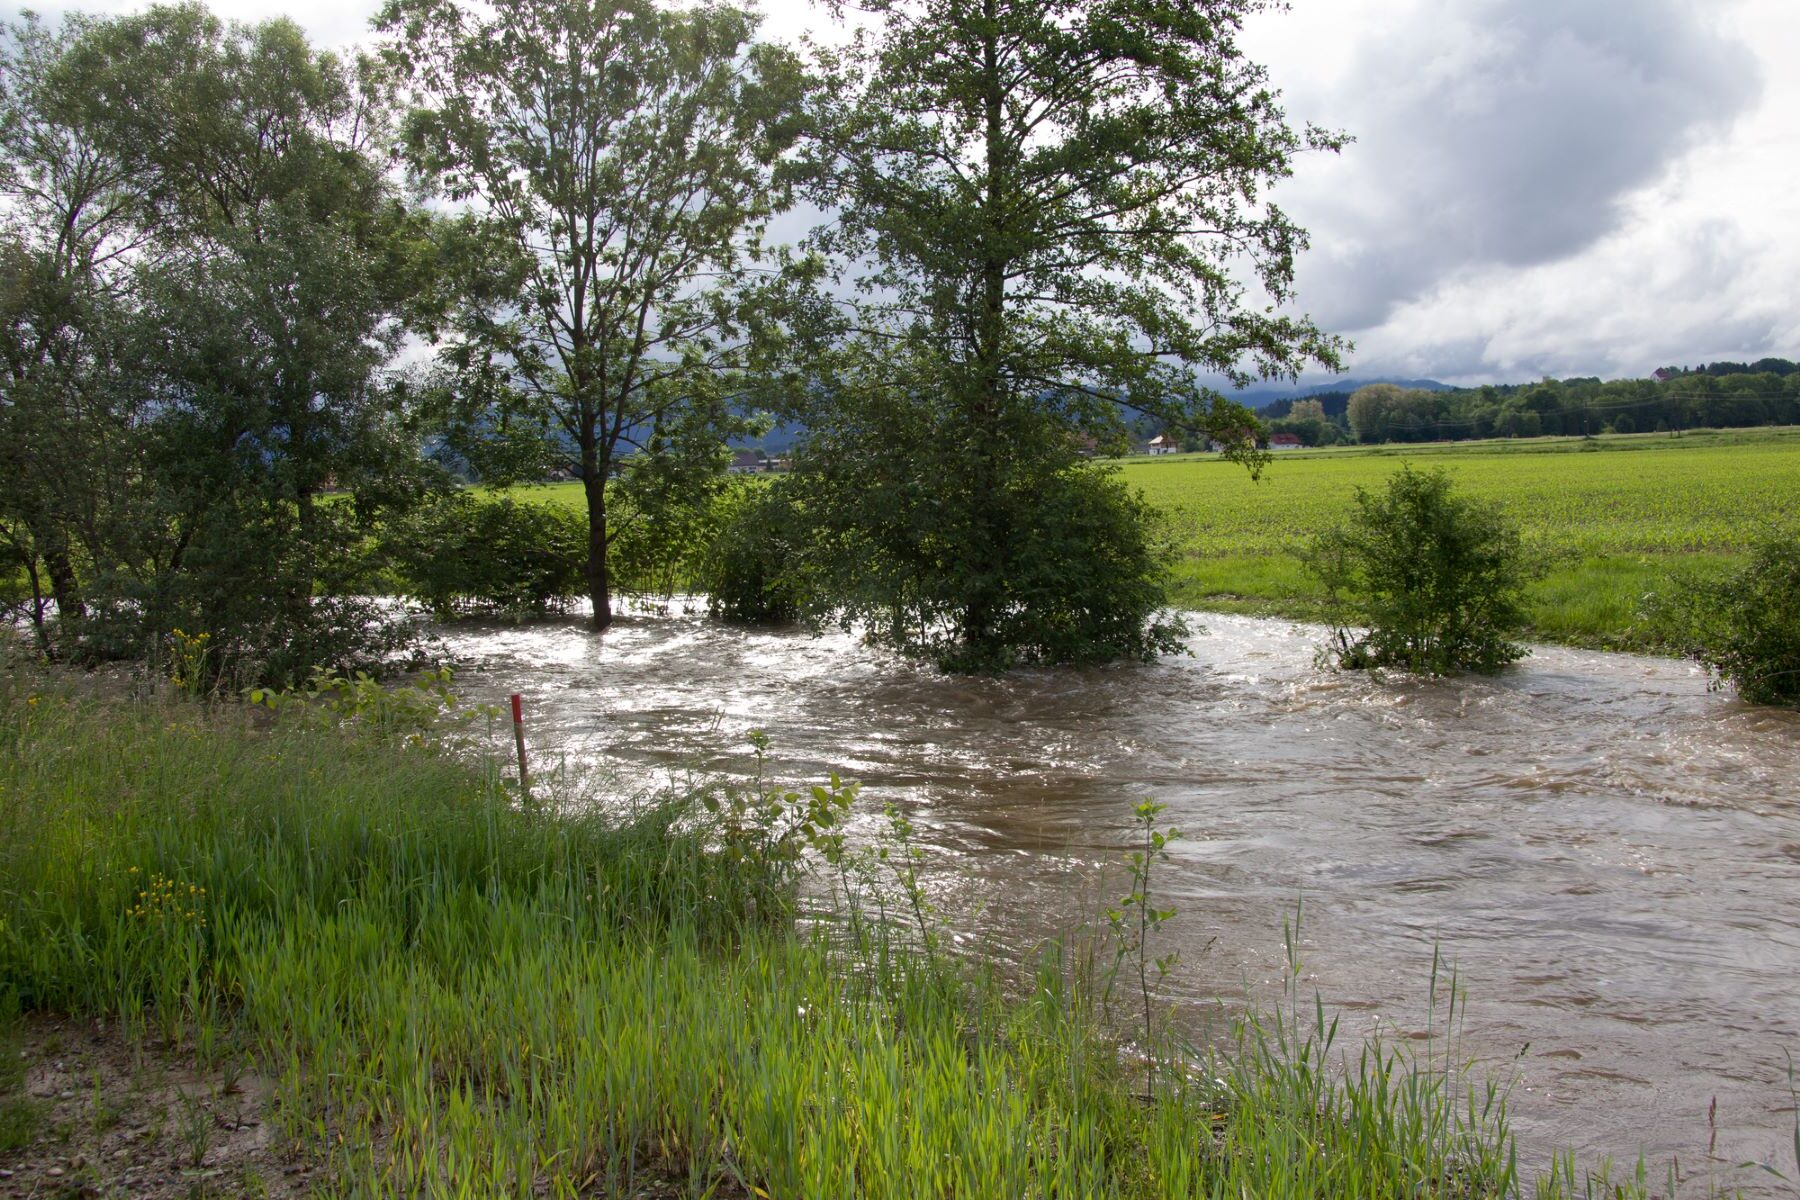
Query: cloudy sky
(1536, 187)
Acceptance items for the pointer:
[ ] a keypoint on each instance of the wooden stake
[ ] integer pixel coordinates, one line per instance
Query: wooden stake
(518, 707)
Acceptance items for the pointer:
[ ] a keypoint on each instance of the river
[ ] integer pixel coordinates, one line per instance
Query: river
(1607, 852)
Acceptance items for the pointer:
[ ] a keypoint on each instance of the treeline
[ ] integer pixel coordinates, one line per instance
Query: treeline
(1769, 366)
(216, 239)
(1718, 396)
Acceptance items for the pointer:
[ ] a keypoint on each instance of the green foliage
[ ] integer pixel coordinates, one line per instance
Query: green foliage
(1057, 204)
(468, 555)
(621, 158)
(1082, 582)
(1579, 407)
(1134, 922)
(207, 275)
(1030, 558)
(751, 571)
(769, 830)
(1744, 624)
(417, 712)
(1436, 579)
(668, 506)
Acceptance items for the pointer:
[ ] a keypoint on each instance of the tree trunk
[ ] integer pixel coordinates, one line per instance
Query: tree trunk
(53, 548)
(593, 481)
(981, 609)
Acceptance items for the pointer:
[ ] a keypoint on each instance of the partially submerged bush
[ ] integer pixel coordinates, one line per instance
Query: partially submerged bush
(462, 555)
(750, 572)
(1744, 626)
(1060, 566)
(1437, 580)
(1082, 583)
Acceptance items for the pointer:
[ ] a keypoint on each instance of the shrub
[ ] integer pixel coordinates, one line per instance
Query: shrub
(1436, 579)
(664, 512)
(750, 571)
(467, 556)
(1744, 626)
(1085, 586)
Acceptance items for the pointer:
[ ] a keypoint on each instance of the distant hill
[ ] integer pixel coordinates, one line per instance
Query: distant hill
(1264, 398)
(1270, 401)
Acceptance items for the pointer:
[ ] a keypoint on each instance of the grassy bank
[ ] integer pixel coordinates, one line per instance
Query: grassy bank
(450, 994)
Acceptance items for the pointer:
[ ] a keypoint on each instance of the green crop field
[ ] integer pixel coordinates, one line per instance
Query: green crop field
(1611, 516)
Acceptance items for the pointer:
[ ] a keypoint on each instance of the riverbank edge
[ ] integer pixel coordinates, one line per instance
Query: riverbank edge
(1588, 604)
(439, 989)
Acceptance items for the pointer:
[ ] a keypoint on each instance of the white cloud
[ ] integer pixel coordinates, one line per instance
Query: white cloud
(1598, 188)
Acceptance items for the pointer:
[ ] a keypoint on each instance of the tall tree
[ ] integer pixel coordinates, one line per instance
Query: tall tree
(71, 214)
(623, 159)
(257, 262)
(1058, 209)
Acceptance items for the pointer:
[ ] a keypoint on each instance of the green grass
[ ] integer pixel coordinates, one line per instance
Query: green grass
(460, 996)
(20, 1114)
(1611, 517)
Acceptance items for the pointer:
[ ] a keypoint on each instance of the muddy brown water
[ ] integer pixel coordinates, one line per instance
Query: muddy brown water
(1607, 852)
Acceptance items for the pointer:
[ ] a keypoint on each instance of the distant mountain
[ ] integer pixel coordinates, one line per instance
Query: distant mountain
(785, 435)
(782, 437)
(1264, 396)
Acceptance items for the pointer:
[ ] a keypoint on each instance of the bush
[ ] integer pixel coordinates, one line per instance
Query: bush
(1436, 579)
(1744, 626)
(1084, 586)
(260, 600)
(467, 556)
(750, 571)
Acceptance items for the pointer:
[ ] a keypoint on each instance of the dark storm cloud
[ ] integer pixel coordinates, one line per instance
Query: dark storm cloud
(1505, 133)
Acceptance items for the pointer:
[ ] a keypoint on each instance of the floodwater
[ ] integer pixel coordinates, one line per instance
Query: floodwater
(1607, 852)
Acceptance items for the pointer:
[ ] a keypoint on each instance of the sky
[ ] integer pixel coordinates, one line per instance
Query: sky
(1536, 187)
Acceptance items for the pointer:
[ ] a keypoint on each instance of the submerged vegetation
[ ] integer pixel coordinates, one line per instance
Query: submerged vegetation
(1743, 625)
(1430, 580)
(464, 554)
(456, 993)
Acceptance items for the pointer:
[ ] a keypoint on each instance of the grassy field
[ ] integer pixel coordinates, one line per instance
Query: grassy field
(1611, 516)
(243, 961)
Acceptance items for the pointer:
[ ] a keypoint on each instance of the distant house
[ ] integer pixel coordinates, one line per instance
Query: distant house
(1165, 443)
(1284, 441)
(745, 462)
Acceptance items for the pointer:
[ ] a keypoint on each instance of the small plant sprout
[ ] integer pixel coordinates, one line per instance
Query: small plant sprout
(903, 857)
(1133, 924)
(196, 1126)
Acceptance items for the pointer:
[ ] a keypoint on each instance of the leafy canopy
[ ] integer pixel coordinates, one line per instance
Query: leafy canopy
(1068, 197)
(1055, 212)
(218, 276)
(620, 161)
